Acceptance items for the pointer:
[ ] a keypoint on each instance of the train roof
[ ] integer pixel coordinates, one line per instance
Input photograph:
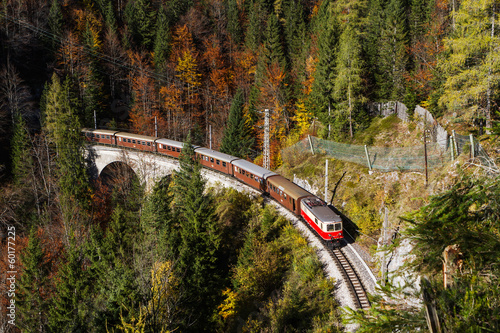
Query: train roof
(215, 154)
(293, 190)
(171, 143)
(136, 136)
(321, 210)
(253, 168)
(99, 131)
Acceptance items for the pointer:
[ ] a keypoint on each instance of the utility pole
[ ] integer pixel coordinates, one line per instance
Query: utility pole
(326, 180)
(95, 120)
(267, 152)
(425, 153)
(210, 136)
(156, 127)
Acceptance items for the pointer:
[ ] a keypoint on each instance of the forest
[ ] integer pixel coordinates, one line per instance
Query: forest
(94, 255)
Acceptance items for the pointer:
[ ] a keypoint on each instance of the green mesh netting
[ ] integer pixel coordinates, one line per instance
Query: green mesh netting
(387, 159)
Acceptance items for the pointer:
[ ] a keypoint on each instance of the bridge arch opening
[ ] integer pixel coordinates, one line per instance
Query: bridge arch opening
(120, 179)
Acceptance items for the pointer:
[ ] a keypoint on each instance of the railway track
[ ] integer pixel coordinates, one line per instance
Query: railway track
(354, 284)
(349, 273)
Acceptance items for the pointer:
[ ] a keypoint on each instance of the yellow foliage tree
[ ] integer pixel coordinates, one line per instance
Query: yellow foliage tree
(159, 313)
(302, 118)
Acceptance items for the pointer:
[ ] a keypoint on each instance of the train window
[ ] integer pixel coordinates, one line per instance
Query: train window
(178, 150)
(128, 140)
(120, 139)
(143, 143)
(211, 159)
(149, 143)
(285, 195)
(97, 136)
(330, 227)
(338, 226)
(251, 176)
(107, 136)
(165, 146)
(218, 162)
(224, 164)
(133, 141)
(237, 169)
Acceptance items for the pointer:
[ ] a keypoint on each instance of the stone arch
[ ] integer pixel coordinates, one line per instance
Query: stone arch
(119, 176)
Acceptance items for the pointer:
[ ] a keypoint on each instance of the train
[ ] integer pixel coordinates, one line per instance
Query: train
(320, 218)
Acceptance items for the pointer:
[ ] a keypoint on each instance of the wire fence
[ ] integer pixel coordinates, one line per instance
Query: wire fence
(395, 159)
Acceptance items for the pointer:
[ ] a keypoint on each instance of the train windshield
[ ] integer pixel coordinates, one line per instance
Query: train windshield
(334, 227)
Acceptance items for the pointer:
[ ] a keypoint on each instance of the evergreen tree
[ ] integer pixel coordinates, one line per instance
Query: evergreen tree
(324, 78)
(393, 55)
(253, 34)
(109, 15)
(371, 45)
(140, 17)
(162, 41)
(34, 288)
(348, 85)
(116, 290)
(55, 21)
(198, 262)
(233, 22)
(68, 311)
(237, 140)
(63, 130)
(22, 162)
(273, 44)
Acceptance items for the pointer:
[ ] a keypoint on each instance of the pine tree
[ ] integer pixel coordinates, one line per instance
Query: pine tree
(22, 162)
(162, 41)
(63, 130)
(55, 21)
(371, 44)
(34, 288)
(237, 140)
(115, 287)
(348, 85)
(392, 55)
(198, 261)
(273, 44)
(324, 77)
(233, 22)
(68, 310)
(253, 34)
(140, 17)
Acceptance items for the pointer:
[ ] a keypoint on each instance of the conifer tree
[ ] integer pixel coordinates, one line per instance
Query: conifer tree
(233, 22)
(392, 55)
(162, 41)
(140, 17)
(253, 34)
(348, 85)
(20, 152)
(237, 140)
(116, 289)
(324, 78)
(32, 298)
(55, 21)
(273, 44)
(63, 130)
(68, 310)
(198, 252)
